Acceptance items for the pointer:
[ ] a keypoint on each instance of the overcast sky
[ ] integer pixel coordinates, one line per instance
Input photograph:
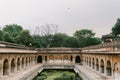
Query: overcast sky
(69, 15)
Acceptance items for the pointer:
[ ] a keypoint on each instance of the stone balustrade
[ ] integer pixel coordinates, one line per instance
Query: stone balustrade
(104, 47)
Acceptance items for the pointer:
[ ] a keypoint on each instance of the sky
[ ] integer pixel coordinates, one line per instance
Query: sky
(70, 15)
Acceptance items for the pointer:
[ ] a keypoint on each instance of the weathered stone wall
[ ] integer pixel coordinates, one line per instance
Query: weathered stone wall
(111, 62)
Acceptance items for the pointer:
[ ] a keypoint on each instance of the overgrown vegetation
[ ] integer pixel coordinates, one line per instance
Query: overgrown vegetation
(57, 75)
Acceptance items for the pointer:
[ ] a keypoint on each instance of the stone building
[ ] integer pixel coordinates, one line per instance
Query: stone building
(102, 60)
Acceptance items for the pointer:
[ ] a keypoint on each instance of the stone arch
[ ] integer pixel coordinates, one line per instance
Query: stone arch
(18, 64)
(29, 60)
(71, 58)
(85, 60)
(26, 61)
(89, 61)
(12, 65)
(109, 68)
(102, 66)
(116, 75)
(35, 59)
(97, 64)
(23, 62)
(77, 59)
(39, 59)
(93, 63)
(5, 67)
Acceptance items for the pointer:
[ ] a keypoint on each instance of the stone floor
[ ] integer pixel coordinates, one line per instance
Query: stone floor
(92, 75)
(21, 73)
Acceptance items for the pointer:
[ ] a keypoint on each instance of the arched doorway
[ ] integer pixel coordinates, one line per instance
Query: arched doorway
(89, 61)
(22, 62)
(116, 74)
(12, 65)
(5, 67)
(18, 64)
(29, 60)
(26, 61)
(71, 59)
(77, 59)
(93, 63)
(86, 61)
(102, 66)
(109, 69)
(35, 60)
(97, 65)
(39, 59)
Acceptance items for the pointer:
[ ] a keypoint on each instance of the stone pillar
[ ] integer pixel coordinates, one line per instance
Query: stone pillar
(105, 68)
(15, 65)
(9, 66)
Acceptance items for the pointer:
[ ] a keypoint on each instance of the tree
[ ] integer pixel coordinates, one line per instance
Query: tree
(24, 38)
(116, 28)
(86, 38)
(84, 33)
(47, 31)
(58, 39)
(7, 37)
(70, 42)
(13, 30)
(38, 42)
(1, 35)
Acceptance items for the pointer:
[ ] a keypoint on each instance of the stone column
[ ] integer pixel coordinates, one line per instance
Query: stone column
(9, 66)
(15, 70)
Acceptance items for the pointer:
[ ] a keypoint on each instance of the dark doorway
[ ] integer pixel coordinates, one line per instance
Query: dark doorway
(71, 58)
(97, 65)
(5, 67)
(109, 69)
(22, 62)
(102, 66)
(18, 64)
(77, 59)
(39, 59)
(12, 65)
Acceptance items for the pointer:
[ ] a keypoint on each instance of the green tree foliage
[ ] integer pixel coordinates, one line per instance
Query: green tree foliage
(70, 42)
(49, 37)
(86, 38)
(1, 35)
(13, 30)
(116, 28)
(37, 41)
(7, 37)
(58, 39)
(24, 38)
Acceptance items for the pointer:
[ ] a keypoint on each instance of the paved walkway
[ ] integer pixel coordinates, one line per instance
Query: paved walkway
(21, 73)
(92, 75)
